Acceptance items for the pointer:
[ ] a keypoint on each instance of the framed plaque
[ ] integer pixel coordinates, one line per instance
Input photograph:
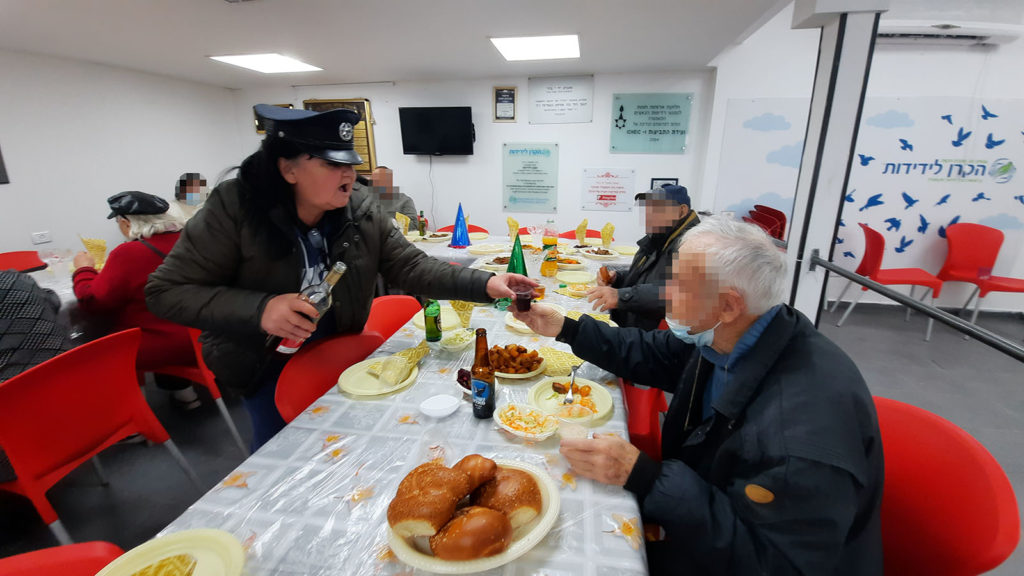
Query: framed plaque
(504, 104)
(259, 123)
(363, 132)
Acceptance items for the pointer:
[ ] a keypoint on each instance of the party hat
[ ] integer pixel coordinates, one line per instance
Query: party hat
(516, 262)
(460, 236)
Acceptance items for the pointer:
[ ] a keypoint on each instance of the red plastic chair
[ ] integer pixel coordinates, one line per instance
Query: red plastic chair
(201, 375)
(871, 266)
(948, 508)
(70, 408)
(774, 213)
(768, 229)
(469, 228)
(389, 313)
(85, 559)
(524, 230)
(571, 234)
(643, 410)
(25, 261)
(315, 369)
(973, 249)
(769, 220)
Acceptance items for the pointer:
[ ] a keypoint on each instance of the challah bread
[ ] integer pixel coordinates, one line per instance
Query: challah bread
(477, 468)
(513, 492)
(426, 500)
(474, 532)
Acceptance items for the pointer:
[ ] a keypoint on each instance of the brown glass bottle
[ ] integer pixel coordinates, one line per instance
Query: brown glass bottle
(484, 391)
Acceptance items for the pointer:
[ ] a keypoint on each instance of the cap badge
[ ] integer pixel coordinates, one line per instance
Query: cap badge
(345, 131)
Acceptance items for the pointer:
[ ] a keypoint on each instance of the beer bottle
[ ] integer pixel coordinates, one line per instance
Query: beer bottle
(432, 320)
(421, 224)
(319, 295)
(483, 379)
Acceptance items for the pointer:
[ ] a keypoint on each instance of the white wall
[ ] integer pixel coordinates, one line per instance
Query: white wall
(476, 180)
(73, 133)
(778, 62)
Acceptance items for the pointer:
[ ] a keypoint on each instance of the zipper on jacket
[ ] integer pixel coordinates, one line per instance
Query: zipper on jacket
(693, 393)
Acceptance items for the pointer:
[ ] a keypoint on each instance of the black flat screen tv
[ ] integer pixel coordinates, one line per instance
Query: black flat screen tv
(445, 131)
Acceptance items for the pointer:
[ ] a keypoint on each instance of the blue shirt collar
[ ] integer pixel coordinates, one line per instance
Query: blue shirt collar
(744, 344)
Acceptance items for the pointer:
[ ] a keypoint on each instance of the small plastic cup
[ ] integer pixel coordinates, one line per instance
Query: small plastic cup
(570, 429)
(540, 289)
(524, 295)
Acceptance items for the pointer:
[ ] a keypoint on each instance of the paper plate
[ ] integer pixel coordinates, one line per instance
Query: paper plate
(540, 368)
(523, 239)
(449, 319)
(539, 436)
(478, 235)
(566, 249)
(448, 343)
(216, 553)
(414, 237)
(580, 266)
(575, 277)
(593, 241)
(625, 250)
(523, 539)
(487, 248)
(588, 254)
(518, 326)
(442, 237)
(542, 397)
(357, 381)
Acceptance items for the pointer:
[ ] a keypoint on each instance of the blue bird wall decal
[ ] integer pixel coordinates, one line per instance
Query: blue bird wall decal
(839, 240)
(910, 200)
(875, 200)
(942, 200)
(924, 224)
(961, 136)
(893, 224)
(948, 118)
(1017, 198)
(942, 229)
(849, 195)
(985, 114)
(865, 160)
(904, 145)
(980, 196)
(849, 254)
(904, 244)
(991, 142)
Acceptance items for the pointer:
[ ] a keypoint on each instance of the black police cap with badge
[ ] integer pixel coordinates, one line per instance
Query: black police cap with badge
(327, 135)
(135, 203)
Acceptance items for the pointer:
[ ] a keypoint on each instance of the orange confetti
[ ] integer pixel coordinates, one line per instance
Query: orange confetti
(319, 410)
(408, 419)
(569, 480)
(444, 371)
(360, 469)
(360, 494)
(386, 554)
(237, 480)
(336, 453)
(249, 541)
(437, 454)
(611, 383)
(534, 339)
(552, 459)
(628, 528)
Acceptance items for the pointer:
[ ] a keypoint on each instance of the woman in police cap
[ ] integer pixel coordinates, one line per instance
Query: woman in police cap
(278, 227)
(152, 226)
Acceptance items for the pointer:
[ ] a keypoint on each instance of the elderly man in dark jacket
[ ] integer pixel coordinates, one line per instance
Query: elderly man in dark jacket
(634, 296)
(772, 458)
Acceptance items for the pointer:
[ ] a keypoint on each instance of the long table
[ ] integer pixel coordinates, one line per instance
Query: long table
(313, 500)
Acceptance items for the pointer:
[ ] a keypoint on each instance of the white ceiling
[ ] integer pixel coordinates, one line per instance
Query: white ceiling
(377, 40)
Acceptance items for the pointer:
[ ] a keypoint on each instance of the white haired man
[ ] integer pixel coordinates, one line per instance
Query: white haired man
(772, 458)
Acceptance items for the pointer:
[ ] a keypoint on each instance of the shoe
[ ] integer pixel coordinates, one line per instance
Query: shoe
(186, 399)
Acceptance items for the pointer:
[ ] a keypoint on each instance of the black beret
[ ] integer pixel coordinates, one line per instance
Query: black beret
(133, 202)
(327, 135)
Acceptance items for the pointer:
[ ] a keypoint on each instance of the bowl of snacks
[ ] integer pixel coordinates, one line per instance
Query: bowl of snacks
(437, 236)
(464, 379)
(596, 253)
(496, 264)
(526, 422)
(515, 361)
(458, 339)
(570, 264)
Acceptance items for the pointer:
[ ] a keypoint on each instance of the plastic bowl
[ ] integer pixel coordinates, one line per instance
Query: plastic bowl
(439, 406)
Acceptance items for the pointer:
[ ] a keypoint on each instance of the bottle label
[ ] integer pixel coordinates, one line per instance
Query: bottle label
(289, 346)
(481, 392)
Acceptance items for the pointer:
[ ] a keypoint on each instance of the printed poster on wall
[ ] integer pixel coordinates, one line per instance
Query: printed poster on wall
(654, 123)
(530, 176)
(609, 189)
(561, 100)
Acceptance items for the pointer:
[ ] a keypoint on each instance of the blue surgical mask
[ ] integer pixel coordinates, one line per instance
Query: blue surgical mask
(699, 339)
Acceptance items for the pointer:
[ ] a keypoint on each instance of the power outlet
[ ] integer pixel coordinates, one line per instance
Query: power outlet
(41, 237)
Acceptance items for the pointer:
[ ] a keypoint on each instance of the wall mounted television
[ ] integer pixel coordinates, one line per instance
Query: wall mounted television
(442, 131)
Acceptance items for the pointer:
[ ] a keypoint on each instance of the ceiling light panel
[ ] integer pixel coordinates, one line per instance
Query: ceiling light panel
(538, 47)
(267, 63)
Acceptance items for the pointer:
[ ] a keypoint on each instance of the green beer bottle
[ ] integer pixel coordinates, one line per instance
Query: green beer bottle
(432, 320)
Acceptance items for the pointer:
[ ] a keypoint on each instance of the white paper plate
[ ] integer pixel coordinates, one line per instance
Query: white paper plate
(414, 237)
(518, 326)
(487, 248)
(523, 539)
(580, 266)
(447, 335)
(357, 381)
(526, 435)
(575, 277)
(217, 553)
(540, 397)
(625, 250)
(446, 236)
(478, 235)
(440, 406)
(449, 319)
(588, 254)
(593, 241)
(540, 368)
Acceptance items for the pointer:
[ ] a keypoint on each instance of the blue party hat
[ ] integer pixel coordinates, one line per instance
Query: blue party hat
(460, 236)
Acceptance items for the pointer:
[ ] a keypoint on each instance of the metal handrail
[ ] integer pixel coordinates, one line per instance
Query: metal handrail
(980, 334)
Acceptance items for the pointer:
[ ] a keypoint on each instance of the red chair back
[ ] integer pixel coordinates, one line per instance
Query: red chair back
(973, 249)
(571, 234)
(469, 228)
(315, 369)
(389, 313)
(524, 230)
(197, 373)
(768, 220)
(774, 213)
(23, 261)
(874, 250)
(85, 559)
(643, 407)
(64, 411)
(947, 506)
(767, 228)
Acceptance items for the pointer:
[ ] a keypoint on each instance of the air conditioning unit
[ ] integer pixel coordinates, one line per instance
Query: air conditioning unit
(931, 33)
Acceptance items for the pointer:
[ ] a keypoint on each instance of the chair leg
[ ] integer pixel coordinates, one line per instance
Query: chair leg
(60, 533)
(180, 459)
(99, 471)
(231, 426)
(969, 298)
(974, 316)
(841, 294)
(931, 322)
(850, 309)
(909, 310)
